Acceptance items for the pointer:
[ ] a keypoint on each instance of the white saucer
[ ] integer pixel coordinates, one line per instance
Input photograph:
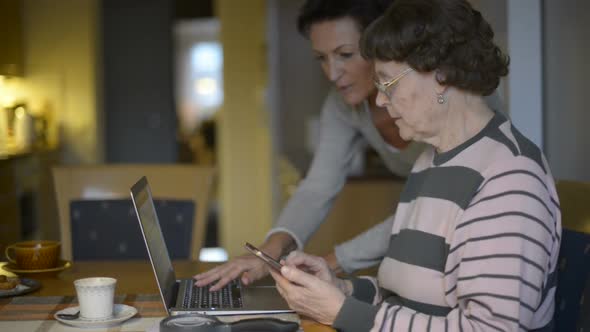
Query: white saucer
(121, 313)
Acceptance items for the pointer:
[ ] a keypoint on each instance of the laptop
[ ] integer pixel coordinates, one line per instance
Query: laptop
(182, 296)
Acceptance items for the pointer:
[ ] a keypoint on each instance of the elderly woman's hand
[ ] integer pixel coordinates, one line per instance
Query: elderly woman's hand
(315, 296)
(311, 264)
(318, 267)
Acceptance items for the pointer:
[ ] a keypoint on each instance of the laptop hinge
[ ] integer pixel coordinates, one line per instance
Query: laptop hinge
(174, 296)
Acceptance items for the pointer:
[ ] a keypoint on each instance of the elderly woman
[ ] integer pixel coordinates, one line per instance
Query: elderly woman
(476, 234)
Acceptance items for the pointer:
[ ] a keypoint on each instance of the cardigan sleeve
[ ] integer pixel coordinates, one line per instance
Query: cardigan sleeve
(313, 199)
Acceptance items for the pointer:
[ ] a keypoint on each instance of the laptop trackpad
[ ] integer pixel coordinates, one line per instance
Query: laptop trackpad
(266, 281)
(263, 298)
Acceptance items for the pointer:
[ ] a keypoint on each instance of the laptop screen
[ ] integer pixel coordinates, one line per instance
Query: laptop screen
(154, 239)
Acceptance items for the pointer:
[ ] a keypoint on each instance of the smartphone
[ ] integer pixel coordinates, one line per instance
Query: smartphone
(273, 263)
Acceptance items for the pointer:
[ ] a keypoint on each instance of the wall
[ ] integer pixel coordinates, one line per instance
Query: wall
(495, 12)
(63, 54)
(526, 68)
(553, 69)
(137, 89)
(60, 70)
(566, 51)
(245, 147)
(302, 86)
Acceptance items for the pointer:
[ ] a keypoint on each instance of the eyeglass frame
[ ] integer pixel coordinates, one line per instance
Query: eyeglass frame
(382, 87)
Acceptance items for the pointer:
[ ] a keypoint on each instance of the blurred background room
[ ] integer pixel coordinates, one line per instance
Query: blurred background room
(231, 84)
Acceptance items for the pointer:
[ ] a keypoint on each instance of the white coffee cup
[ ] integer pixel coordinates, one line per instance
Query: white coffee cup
(96, 297)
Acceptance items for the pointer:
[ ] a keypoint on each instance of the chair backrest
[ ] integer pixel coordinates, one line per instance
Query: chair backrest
(90, 188)
(108, 229)
(574, 254)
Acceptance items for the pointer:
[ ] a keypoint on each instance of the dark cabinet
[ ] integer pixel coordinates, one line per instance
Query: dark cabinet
(27, 199)
(10, 222)
(11, 45)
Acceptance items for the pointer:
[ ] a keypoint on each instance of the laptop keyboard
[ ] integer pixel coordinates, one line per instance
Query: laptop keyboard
(229, 297)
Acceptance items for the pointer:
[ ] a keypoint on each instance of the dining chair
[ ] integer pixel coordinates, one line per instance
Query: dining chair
(584, 321)
(574, 256)
(97, 219)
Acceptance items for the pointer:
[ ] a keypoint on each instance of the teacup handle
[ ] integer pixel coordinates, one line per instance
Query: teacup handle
(7, 253)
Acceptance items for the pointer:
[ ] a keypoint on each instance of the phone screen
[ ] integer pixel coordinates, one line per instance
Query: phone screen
(266, 258)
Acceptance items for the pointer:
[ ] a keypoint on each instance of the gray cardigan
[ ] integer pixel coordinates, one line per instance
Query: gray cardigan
(342, 129)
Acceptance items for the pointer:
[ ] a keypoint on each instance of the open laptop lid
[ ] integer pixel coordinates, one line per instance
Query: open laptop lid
(145, 210)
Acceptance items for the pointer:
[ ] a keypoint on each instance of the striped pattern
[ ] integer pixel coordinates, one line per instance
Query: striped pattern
(44, 307)
(475, 240)
(35, 313)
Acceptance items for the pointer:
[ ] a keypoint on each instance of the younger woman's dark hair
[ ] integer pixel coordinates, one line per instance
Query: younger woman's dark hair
(444, 35)
(363, 12)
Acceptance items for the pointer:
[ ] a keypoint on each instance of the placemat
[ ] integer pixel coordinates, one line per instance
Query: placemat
(44, 307)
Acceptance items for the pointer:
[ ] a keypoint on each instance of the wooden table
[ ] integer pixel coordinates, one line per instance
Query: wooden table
(133, 277)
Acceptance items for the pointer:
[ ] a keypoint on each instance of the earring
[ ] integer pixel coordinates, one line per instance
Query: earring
(440, 98)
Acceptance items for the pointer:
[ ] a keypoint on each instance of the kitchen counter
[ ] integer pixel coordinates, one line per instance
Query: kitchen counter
(14, 154)
(11, 151)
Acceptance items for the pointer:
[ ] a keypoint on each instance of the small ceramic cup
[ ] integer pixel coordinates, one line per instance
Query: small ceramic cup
(96, 297)
(34, 255)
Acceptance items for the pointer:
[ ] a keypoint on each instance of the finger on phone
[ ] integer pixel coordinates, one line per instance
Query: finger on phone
(298, 277)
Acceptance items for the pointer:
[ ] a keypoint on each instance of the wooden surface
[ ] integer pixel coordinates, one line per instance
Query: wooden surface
(360, 205)
(133, 277)
(575, 210)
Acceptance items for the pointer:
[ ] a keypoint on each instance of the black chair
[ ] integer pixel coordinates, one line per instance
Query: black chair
(109, 229)
(573, 275)
(174, 185)
(584, 321)
(574, 257)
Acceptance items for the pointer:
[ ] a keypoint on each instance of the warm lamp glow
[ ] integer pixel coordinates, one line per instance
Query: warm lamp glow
(19, 113)
(7, 100)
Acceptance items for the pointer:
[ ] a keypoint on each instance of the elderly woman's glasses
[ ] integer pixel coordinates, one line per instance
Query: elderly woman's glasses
(382, 87)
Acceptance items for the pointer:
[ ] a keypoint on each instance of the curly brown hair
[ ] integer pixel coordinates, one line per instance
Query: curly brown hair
(448, 36)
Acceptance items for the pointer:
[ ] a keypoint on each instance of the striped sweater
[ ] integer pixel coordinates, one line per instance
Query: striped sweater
(474, 243)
